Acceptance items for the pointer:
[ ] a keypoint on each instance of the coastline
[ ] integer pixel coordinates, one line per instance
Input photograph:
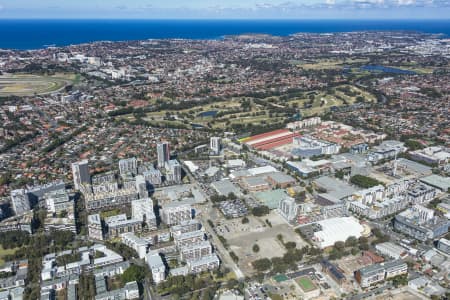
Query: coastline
(35, 34)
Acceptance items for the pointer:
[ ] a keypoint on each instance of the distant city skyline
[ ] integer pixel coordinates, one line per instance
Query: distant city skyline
(228, 9)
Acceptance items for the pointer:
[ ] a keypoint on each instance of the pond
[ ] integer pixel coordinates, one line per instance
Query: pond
(376, 68)
(209, 113)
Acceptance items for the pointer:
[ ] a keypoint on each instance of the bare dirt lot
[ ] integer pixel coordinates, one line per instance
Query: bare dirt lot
(242, 238)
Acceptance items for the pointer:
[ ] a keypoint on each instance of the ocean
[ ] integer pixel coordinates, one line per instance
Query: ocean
(36, 34)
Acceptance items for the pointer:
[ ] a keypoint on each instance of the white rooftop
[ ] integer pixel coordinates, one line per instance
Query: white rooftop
(337, 229)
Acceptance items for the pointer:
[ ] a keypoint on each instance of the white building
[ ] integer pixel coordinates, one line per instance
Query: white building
(128, 165)
(157, 267)
(136, 243)
(215, 144)
(80, 173)
(310, 122)
(337, 229)
(95, 227)
(57, 201)
(142, 210)
(391, 250)
(20, 201)
(173, 171)
(153, 176)
(174, 213)
(189, 238)
(288, 208)
(210, 262)
(195, 251)
(307, 146)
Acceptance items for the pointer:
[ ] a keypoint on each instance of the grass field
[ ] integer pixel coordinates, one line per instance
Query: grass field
(306, 284)
(4, 252)
(259, 111)
(28, 85)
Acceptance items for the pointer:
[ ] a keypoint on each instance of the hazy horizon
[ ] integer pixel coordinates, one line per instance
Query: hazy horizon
(231, 9)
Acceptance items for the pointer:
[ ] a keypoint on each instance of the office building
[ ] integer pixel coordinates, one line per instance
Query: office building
(80, 173)
(174, 213)
(20, 201)
(95, 230)
(156, 266)
(163, 153)
(128, 165)
(142, 210)
(215, 145)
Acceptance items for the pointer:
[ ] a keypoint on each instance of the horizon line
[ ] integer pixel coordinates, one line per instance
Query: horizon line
(222, 19)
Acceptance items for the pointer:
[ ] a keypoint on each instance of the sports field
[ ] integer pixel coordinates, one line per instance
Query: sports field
(306, 284)
(28, 85)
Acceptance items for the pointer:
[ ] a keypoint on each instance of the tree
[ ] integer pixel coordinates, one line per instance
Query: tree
(354, 251)
(364, 181)
(245, 220)
(339, 245)
(255, 248)
(290, 245)
(134, 273)
(351, 241)
(262, 264)
(260, 211)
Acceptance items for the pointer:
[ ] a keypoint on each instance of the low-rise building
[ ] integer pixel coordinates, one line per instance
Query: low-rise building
(391, 250)
(376, 273)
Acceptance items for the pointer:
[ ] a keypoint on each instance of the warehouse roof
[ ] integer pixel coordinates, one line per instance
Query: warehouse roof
(337, 229)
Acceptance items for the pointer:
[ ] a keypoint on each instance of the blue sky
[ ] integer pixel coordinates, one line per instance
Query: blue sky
(227, 9)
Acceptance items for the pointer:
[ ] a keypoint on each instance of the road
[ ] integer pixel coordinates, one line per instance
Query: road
(220, 249)
(208, 210)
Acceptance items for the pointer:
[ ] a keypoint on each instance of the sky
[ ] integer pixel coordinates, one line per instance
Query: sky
(225, 9)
